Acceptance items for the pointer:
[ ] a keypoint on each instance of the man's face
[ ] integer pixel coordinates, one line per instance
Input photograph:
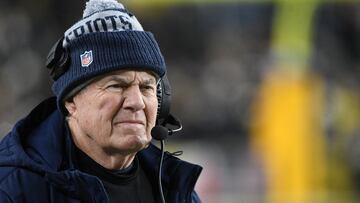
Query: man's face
(117, 111)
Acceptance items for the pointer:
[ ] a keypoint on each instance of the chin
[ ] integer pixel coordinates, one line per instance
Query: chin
(137, 143)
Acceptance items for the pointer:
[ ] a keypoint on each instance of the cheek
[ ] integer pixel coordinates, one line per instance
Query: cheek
(152, 112)
(84, 113)
(108, 108)
(88, 116)
(97, 115)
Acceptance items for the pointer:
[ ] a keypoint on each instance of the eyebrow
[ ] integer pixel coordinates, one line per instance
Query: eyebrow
(150, 81)
(125, 81)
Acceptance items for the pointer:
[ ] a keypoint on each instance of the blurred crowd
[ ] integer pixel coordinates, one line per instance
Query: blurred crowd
(218, 56)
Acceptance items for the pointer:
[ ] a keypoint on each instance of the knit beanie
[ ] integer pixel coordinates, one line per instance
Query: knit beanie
(107, 38)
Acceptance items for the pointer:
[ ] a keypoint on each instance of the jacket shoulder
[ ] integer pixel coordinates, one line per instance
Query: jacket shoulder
(4, 197)
(5, 173)
(21, 185)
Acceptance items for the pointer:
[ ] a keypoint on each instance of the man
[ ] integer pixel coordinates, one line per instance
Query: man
(91, 143)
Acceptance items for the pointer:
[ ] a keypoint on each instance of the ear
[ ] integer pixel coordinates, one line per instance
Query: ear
(70, 106)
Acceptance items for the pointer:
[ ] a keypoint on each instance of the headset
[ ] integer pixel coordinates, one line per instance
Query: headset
(58, 61)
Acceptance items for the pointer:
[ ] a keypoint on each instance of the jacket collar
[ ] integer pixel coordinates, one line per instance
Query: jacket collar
(178, 178)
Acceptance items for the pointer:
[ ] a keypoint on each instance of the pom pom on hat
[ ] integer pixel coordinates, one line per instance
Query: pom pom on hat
(100, 5)
(106, 39)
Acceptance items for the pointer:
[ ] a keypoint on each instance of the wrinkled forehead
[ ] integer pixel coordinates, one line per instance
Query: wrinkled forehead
(129, 76)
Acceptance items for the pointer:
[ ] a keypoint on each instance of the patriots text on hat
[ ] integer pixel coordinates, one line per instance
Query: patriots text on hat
(102, 16)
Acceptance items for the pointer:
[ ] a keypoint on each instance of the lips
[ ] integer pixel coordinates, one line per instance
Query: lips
(130, 122)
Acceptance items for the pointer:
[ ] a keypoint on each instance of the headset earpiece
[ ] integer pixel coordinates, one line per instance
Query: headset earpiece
(57, 60)
(164, 100)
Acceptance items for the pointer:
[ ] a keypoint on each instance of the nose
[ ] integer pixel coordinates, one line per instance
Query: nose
(133, 98)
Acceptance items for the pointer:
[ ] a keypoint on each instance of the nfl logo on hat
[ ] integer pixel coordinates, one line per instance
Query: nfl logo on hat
(86, 58)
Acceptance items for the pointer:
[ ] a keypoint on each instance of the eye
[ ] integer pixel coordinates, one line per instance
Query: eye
(148, 88)
(114, 87)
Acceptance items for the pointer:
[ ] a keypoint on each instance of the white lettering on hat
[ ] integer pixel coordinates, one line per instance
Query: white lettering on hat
(105, 21)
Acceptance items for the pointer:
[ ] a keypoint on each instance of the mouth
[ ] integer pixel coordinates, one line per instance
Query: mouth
(130, 122)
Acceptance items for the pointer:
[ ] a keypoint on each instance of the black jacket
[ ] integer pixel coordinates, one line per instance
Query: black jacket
(36, 165)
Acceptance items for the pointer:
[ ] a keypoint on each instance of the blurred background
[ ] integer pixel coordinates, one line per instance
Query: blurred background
(268, 91)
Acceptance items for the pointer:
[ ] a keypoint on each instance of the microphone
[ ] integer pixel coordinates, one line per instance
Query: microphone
(159, 132)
